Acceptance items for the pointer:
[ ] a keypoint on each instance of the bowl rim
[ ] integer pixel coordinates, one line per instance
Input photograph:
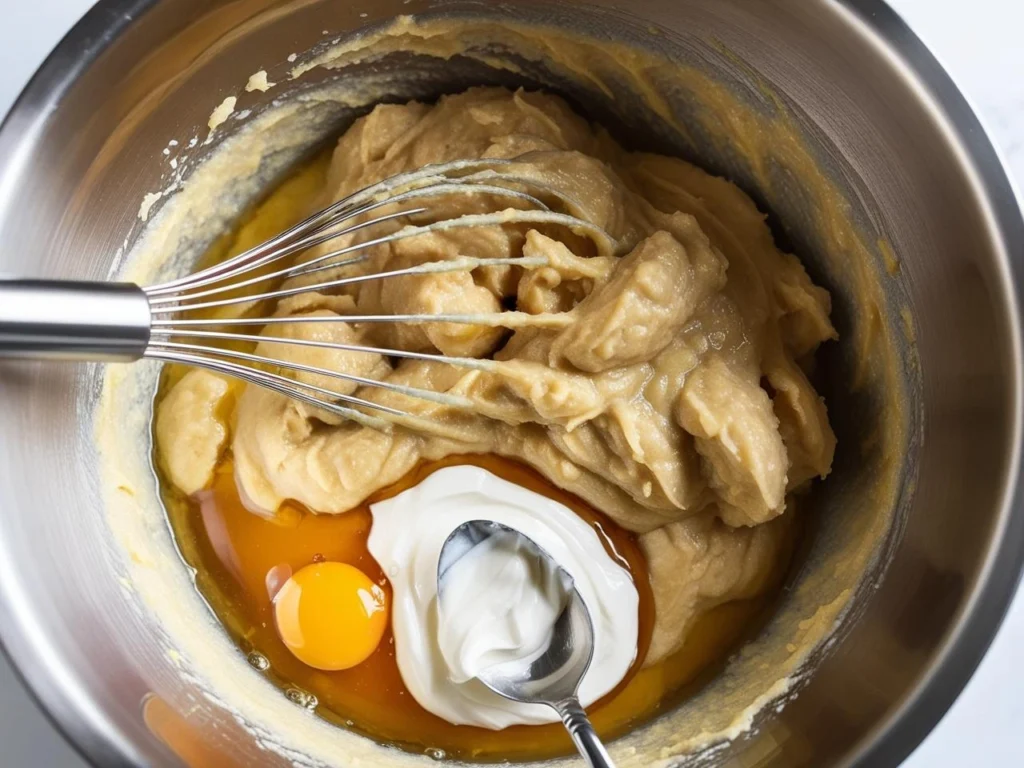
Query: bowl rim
(99, 740)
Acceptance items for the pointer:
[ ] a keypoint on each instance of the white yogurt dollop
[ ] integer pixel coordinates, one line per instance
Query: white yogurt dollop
(500, 606)
(518, 596)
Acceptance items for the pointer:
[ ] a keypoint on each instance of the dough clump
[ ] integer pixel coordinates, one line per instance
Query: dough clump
(669, 391)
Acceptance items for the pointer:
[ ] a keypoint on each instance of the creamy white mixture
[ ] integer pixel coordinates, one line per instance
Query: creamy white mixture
(439, 661)
(497, 604)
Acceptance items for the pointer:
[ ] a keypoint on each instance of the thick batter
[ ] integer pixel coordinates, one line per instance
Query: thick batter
(673, 397)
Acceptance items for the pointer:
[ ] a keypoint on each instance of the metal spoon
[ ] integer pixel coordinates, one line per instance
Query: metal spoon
(554, 677)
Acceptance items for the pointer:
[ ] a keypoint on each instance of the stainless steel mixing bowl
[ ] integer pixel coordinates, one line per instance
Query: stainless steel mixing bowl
(913, 168)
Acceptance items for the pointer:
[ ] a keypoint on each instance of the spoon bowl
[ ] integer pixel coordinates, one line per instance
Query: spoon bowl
(552, 678)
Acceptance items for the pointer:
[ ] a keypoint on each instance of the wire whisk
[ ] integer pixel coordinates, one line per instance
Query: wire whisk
(188, 320)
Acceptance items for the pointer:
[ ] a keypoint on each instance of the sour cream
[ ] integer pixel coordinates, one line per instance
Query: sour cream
(503, 607)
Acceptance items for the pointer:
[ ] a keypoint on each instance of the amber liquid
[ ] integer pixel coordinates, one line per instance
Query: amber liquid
(232, 550)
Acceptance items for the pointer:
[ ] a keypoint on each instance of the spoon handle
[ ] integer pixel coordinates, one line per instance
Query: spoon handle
(583, 735)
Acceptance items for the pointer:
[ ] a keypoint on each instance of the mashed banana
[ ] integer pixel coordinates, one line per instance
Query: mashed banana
(670, 394)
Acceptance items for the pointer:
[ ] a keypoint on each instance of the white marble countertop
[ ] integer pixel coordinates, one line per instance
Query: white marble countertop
(979, 44)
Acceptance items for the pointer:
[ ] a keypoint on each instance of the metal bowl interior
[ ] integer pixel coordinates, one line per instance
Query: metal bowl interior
(911, 168)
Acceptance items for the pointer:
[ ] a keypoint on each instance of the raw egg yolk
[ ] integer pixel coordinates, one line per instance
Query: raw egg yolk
(331, 615)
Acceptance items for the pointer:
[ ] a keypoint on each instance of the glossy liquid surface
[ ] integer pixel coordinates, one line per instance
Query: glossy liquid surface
(233, 550)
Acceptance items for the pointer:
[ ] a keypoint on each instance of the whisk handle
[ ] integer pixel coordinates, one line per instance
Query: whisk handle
(71, 320)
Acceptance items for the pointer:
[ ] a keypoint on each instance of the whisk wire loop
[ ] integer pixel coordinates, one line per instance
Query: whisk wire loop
(180, 333)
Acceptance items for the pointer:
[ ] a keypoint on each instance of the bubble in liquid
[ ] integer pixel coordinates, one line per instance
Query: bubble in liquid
(435, 753)
(258, 661)
(302, 698)
(717, 339)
